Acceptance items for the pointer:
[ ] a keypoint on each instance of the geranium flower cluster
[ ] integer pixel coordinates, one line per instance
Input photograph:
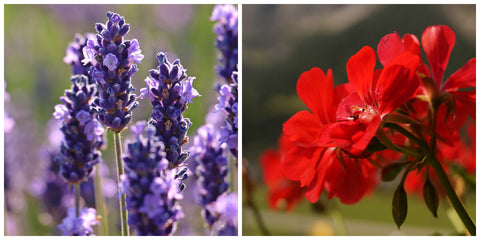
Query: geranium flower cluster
(400, 116)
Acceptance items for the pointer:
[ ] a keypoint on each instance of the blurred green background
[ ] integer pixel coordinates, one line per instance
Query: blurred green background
(36, 37)
(282, 41)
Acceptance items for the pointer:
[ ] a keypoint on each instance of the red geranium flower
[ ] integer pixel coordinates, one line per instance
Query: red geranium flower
(438, 42)
(315, 166)
(378, 93)
(281, 191)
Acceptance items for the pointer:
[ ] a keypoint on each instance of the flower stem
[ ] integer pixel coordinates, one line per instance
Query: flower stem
(452, 196)
(123, 200)
(77, 199)
(100, 202)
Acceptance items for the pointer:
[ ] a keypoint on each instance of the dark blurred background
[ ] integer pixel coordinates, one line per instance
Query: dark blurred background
(282, 41)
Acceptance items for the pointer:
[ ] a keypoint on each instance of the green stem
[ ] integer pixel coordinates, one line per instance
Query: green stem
(123, 200)
(452, 196)
(77, 199)
(338, 221)
(100, 202)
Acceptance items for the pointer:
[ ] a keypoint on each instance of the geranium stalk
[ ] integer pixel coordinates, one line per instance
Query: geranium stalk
(452, 196)
(123, 200)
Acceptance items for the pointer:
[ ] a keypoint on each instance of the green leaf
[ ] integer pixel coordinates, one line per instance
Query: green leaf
(430, 196)
(399, 206)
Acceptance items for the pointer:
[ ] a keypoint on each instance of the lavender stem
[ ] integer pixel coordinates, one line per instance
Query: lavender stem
(123, 201)
(100, 203)
(77, 199)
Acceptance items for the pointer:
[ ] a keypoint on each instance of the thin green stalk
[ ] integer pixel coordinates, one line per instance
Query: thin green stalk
(232, 174)
(77, 199)
(338, 220)
(123, 200)
(100, 202)
(452, 196)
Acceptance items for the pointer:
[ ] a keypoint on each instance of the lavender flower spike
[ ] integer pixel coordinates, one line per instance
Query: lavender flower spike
(112, 68)
(169, 89)
(226, 210)
(212, 169)
(79, 151)
(151, 188)
(226, 29)
(74, 54)
(81, 225)
(228, 105)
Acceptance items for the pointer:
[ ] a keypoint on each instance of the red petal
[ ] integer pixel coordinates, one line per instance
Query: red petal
(398, 83)
(316, 91)
(315, 188)
(392, 46)
(303, 128)
(437, 42)
(270, 162)
(463, 78)
(360, 70)
(411, 44)
(389, 48)
(351, 136)
(351, 183)
(299, 164)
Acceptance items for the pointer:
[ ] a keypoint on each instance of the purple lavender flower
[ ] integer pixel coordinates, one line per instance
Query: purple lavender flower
(112, 58)
(74, 54)
(225, 209)
(82, 134)
(8, 121)
(212, 169)
(228, 105)
(81, 225)
(226, 29)
(169, 90)
(151, 188)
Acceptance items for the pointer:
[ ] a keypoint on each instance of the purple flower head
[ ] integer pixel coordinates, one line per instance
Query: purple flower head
(151, 188)
(134, 52)
(228, 105)
(212, 168)
(8, 121)
(110, 62)
(226, 210)
(79, 151)
(82, 116)
(81, 225)
(94, 130)
(61, 113)
(75, 54)
(169, 89)
(226, 29)
(112, 68)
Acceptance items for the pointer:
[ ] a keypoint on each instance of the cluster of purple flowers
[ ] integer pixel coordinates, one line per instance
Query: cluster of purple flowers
(112, 60)
(226, 29)
(220, 132)
(212, 169)
(225, 209)
(169, 89)
(74, 54)
(81, 225)
(82, 132)
(151, 188)
(228, 105)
